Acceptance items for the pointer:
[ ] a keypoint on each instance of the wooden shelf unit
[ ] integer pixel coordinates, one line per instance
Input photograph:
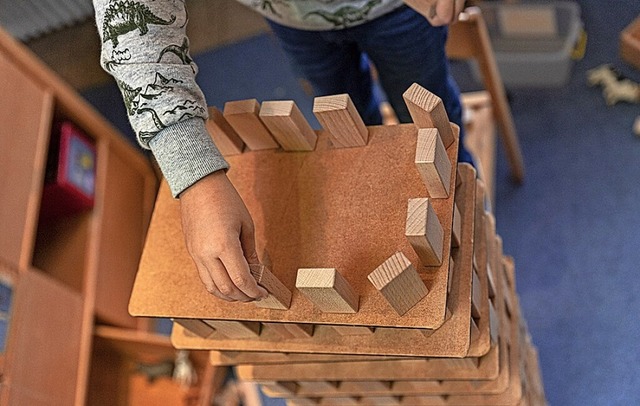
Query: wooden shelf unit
(71, 277)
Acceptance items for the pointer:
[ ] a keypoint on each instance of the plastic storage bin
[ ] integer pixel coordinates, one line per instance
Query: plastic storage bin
(533, 42)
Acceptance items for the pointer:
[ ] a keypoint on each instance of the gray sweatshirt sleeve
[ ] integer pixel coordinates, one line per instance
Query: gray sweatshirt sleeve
(146, 50)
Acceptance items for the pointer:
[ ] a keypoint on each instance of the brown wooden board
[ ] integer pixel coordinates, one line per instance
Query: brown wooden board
(452, 339)
(428, 381)
(413, 387)
(336, 208)
(396, 370)
(480, 346)
(507, 389)
(233, 358)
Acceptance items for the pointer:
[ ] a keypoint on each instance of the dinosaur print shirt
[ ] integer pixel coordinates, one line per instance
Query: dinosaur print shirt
(322, 14)
(146, 50)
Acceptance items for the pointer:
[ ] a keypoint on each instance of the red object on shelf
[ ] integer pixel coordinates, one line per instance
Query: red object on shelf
(71, 171)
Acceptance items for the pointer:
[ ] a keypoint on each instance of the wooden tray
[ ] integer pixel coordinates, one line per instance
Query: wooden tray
(452, 339)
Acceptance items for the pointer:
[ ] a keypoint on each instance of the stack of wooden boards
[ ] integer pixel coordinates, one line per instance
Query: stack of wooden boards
(387, 280)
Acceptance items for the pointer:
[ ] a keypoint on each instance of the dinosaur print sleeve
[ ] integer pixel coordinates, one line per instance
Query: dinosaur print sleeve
(145, 49)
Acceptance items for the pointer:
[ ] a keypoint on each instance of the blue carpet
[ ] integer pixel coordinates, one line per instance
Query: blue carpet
(572, 227)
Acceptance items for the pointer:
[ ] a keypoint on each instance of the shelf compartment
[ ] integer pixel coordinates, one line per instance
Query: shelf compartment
(23, 152)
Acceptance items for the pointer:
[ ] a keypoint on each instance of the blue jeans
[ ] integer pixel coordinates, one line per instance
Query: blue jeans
(403, 47)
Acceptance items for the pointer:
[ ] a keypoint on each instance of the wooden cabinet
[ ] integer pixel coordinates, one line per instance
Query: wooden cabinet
(25, 113)
(44, 345)
(71, 277)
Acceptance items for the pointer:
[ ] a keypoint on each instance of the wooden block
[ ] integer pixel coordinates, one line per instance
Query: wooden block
(450, 276)
(424, 231)
(383, 400)
(300, 330)
(288, 125)
(327, 290)
(353, 330)
(341, 401)
(474, 331)
(224, 136)
(433, 163)
(399, 282)
(460, 363)
(288, 388)
(279, 329)
(197, 327)
(364, 386)
(494, 321)
(279, 296)
(476, 295)
(456, 228)
(427, 111)
(290, 330)
(491, 283)
(490, 221)
(339, 117)
(236, 329)
(243, 116)
(303, 402)
(318, 386)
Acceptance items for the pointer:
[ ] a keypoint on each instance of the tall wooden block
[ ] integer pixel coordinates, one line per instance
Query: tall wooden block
(339, 117)
(318, 386)
(288, 126)
(279, 296)
(424, 231)
(303, 401)
(290, 330)
(433, 163)
(224, 136)
(450, 276)
(494, 322)
(197, 327)
(427, 111)
(456, 227)
(243, 116)
(353, 330)
(476, 295)
(399, 283)
(387, 400)
(364, 386)
(300, 330)
(327, 290)
(341, 401)
(281, 388)
(236, 329)
(491, 282)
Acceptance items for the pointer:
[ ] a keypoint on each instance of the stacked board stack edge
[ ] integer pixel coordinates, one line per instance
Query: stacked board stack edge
(387, 281)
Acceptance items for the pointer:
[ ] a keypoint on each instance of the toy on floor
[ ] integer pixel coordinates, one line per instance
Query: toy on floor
(615, 87)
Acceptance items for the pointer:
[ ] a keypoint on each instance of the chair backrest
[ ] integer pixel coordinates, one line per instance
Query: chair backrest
(469, 40)
(467, 35)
